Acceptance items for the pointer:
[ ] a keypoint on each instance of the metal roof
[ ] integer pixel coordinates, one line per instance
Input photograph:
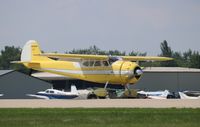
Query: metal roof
(2, 72)
(170, 69)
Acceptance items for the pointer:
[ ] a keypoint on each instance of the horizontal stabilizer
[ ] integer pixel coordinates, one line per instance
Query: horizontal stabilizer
(24, 62)
(37, 96)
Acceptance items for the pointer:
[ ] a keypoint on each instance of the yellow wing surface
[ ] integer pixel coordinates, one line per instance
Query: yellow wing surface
(104, 57)
(146, 58)
(75, 56)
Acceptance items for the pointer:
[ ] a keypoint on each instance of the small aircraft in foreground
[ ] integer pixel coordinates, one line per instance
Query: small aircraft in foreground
(56, 94)
(1, 95)
(192, 93)
(104, 69)
(184, 96)
(155, 94)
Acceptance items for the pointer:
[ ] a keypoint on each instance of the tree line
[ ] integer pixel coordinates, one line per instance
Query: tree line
(188, 58)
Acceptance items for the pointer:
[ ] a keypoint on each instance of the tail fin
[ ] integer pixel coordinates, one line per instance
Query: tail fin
(74, 89)
(31, 52)
(165, 93)
(184, 96)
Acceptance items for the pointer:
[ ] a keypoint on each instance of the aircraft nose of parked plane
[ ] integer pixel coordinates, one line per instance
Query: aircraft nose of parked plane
(138, 72)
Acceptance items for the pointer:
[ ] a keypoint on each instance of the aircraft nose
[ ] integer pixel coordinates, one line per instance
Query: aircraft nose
(138, 72)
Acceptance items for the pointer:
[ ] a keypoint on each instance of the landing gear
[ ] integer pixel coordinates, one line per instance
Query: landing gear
(106, 85)
(129, 93)
(99, 93)
(92, 96)
(127, 86)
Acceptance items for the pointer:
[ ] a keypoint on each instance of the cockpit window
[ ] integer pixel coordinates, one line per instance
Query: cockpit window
(92, 63)
(86, 63)
(112, 60)
(51, 91)
(105, 63)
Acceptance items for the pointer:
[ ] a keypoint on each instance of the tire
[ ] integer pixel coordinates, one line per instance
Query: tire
(92, 96)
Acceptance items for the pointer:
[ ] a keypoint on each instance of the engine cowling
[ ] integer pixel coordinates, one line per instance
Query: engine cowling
(130, 72)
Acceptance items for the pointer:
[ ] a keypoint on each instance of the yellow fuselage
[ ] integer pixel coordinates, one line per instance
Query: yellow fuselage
(94, 68)
(119, 72)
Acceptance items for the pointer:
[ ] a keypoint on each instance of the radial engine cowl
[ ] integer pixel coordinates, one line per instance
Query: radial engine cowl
(138, 72)
(130, 72)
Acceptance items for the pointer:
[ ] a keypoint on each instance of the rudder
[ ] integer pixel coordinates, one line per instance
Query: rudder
(74, 89)
(31, 52)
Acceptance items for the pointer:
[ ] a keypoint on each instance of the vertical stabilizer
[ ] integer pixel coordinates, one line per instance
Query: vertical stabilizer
(31, 52)
(165, 93)
(74, 90)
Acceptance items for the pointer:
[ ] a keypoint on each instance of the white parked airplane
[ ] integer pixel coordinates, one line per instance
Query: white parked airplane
(56, 94)
(184, 96)
(1, 95)
(155, 94)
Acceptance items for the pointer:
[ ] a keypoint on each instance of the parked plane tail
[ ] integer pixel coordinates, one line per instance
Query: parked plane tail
(31, 52)
(74, 89)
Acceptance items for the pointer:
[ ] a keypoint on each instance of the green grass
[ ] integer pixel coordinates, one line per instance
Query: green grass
(111, 117)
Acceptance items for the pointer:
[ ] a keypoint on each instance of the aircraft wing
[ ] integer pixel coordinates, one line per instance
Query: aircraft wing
(145, 58)
(75, 56)
(38, 96)
(104, 57)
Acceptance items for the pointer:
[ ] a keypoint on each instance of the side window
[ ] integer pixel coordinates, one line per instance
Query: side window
(97, 63)
(51, 91)
(91, 63)
(47, 91)
(112, 60)
(86, 63)
(105, 63)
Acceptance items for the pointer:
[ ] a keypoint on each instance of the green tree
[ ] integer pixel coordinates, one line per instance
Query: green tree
(178, 59)
(96, 51)
(166, 51)
(91, 50)
(11, 53)
(195, 60)
(133, 53)
(116, 53)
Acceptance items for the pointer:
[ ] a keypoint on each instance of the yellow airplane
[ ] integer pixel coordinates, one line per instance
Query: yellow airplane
(95, 68)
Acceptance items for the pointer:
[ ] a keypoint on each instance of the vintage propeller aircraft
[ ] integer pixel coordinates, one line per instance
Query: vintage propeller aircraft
(95, 68)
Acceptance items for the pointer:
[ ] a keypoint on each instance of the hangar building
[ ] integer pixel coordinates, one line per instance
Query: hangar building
(171, 78)
(15, 85)
(154, 78)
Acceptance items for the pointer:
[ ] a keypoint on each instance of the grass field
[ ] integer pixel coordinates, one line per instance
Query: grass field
(111, 117)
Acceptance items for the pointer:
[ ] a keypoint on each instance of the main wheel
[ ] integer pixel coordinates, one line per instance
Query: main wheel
(92, 96)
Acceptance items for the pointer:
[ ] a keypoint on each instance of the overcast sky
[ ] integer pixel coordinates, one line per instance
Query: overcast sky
(125, 25)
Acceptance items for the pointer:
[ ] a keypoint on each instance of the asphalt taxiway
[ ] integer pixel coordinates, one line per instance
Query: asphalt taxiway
(100, 103)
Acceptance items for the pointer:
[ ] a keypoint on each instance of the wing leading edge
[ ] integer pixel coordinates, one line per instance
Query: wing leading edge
(105, 57)
(145, 58)
(75, 56)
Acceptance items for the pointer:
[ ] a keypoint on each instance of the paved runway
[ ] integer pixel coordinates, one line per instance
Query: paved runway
(99, 103)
